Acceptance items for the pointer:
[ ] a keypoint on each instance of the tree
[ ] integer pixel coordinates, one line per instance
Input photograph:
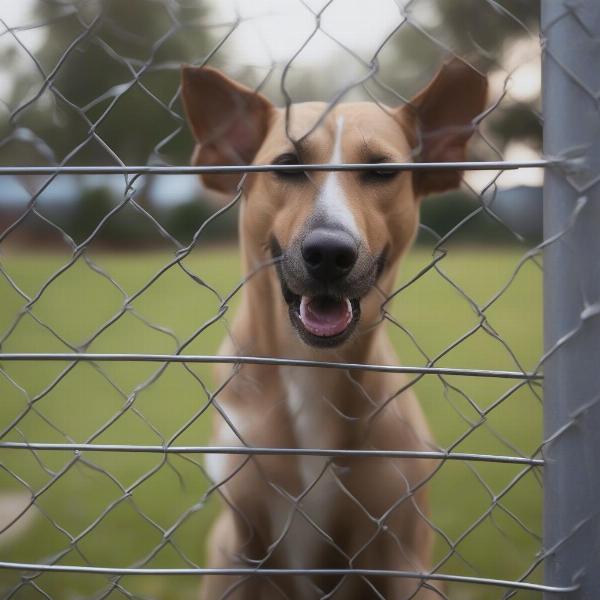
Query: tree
(481, 32)
(106, 85)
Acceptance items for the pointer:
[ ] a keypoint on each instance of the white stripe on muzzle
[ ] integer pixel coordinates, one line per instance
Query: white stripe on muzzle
(331, 203)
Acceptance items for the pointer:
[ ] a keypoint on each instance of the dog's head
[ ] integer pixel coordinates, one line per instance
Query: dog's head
(335, 235)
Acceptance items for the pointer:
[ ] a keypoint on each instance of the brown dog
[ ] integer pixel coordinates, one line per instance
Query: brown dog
(336, 240)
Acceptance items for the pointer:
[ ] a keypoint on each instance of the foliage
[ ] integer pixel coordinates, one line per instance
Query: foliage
(112, 69)
(479, 31)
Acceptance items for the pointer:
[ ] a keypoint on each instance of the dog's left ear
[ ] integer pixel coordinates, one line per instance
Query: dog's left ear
(228, 120)
(444, 116)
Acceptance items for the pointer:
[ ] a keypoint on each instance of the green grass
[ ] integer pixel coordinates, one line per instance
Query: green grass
(80, 301)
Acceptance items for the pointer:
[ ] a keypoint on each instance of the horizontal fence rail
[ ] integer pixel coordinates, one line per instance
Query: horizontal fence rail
(264, 572)
(253, 451)
(294, 168)
(260, 360)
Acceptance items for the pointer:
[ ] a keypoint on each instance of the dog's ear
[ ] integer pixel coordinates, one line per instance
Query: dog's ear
(228, 120)
(443, 115)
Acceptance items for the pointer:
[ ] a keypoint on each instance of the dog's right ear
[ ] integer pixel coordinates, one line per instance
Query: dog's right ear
(228, 120)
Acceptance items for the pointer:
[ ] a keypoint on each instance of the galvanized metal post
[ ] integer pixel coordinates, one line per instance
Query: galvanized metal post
(571, 93)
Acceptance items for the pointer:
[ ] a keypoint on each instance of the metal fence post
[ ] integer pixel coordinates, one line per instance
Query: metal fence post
(571, 92)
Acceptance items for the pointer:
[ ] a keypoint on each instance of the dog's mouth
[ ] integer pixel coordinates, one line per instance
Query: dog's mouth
(322, 320)
(324, 314)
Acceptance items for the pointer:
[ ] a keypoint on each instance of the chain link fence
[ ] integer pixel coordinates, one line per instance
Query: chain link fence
(118, 280)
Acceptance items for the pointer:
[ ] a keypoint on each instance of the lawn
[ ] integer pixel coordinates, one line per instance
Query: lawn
(113, 508)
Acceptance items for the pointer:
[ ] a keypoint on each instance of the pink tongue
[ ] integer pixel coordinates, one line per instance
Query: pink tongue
(325, 316)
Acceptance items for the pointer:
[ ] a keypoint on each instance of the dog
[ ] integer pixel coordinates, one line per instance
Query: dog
(321, 251)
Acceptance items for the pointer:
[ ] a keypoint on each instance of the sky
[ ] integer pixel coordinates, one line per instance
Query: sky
(275, 29)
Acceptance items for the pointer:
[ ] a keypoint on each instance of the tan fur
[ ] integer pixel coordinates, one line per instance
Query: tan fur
(299, 512)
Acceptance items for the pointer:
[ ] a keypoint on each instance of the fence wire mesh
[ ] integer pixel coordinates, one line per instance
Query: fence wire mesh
(116, 290)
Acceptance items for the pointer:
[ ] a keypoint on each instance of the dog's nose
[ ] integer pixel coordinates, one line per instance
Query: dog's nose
(329, 254)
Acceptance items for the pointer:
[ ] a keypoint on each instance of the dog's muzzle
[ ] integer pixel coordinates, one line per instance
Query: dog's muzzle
(323, 277)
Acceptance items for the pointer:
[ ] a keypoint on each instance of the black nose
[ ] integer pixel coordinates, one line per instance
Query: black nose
(329, 254)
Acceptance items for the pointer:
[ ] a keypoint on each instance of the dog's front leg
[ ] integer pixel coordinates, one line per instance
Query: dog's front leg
(224, 546)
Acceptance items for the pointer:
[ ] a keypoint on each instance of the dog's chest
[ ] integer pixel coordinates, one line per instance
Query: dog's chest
(315, 424)
(307, 410)
(311, 413)
(312, 420)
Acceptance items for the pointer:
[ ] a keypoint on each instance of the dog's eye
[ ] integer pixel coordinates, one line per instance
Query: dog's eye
(288, 159)
(377, 175)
